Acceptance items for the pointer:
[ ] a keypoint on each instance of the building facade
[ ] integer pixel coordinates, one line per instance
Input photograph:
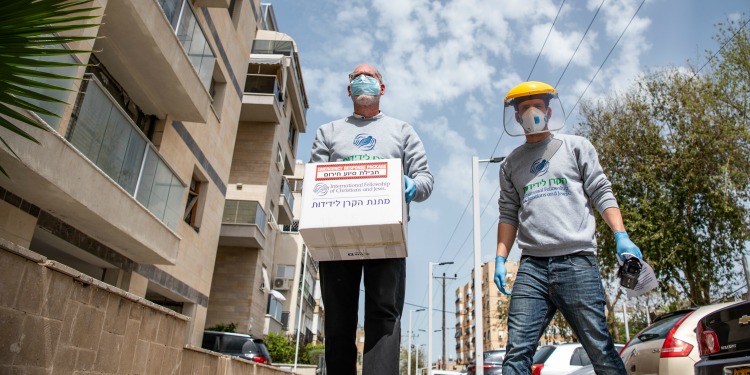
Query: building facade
(165, 175)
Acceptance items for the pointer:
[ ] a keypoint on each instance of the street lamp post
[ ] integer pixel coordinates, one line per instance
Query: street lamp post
(408, 356)
(429, 316)
(478, 329)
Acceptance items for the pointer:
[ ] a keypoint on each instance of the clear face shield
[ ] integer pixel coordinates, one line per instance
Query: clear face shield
(534, 114)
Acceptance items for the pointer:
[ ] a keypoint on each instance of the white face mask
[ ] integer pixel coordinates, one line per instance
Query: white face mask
(534, 120)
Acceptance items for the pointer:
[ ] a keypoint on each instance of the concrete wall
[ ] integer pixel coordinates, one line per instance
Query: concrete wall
(56, 320)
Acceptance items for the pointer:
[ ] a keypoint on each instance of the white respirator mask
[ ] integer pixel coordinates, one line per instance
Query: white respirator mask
(534, 120)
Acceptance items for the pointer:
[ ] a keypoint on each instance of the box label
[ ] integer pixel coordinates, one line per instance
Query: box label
(351, 171)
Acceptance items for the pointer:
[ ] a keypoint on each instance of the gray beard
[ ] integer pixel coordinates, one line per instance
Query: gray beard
(366, 100)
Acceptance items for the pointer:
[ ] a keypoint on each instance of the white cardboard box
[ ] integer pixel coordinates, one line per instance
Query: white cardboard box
(354, 210)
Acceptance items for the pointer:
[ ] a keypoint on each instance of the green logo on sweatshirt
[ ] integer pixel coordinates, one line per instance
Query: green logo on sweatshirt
(362, 157)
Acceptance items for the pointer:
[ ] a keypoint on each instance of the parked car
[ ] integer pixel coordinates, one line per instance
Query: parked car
(237, 344)
(668, 346)
(561, 359)
(493, 363)
(724, 341)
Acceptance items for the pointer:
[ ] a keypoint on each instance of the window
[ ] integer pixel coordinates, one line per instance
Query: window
(291, 228)
(217, 89)
(274, 307)
(102, 131)
(191, 205)
(182, 18)
(280, 159)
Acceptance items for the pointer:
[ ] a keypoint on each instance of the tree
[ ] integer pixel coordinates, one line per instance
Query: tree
(417, 360)
(30, 32)
(676, 148)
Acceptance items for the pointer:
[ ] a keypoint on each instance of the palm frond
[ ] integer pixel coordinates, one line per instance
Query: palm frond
(29, 32)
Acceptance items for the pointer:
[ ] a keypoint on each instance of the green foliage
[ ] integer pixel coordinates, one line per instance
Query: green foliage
(29, 31)
(221, 327)
(313, 352)
(417, 359)
(676, 148)
(280, 347)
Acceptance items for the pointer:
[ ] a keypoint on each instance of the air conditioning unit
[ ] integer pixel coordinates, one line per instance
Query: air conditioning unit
(281, 284)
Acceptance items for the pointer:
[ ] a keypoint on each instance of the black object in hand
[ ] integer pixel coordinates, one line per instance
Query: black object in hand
(628, 272)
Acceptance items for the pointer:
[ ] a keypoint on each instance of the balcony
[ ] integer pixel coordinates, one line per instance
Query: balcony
(271, 46)
(243, 224)
(286, 204)
(160, 55)
(105, 179)
(262, 99)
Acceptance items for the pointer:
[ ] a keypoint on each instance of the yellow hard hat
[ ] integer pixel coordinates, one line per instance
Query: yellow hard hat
(528, 89)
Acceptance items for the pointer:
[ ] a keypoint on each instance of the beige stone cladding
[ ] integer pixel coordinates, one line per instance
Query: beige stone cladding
(56, 320)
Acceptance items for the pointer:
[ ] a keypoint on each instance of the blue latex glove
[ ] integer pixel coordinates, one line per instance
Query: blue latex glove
(625, 245)
(410, 189)
(500, 273)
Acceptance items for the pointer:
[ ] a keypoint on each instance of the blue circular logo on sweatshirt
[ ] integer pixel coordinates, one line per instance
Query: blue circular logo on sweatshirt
(364, 141)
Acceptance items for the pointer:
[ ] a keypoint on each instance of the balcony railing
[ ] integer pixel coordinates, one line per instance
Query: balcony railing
(193, 39)
(244, 213)
(263, 84)
(287, 193)
(101, 130)
(286, 48)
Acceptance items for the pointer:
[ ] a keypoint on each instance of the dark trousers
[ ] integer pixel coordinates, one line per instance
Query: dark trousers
(384, 302)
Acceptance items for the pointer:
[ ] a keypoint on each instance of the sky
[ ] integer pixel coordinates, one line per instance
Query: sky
(447, 65)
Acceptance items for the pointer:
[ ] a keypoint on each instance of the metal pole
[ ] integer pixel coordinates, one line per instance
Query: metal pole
(747, 276)
(478, 330)
(429, 319)
(301, 300)
(442, 361)
(417, 360)
(408, 356)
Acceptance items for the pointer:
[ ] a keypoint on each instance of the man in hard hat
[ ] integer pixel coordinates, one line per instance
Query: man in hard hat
(548, 186)
(368, 134)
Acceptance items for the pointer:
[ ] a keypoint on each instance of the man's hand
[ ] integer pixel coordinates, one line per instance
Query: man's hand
(410, 189)
(625, 245)
(500, 273)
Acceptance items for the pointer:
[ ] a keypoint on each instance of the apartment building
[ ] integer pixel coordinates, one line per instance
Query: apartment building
(494, 314)
(164, 135)
(296, 279)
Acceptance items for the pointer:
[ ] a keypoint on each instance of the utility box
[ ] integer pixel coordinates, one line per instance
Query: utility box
(354, 210)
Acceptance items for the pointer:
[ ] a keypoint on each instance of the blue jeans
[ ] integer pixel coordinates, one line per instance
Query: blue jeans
(571, 284)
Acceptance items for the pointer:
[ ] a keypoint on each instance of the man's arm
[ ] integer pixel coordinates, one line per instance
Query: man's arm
(613, 218)
(506, 235)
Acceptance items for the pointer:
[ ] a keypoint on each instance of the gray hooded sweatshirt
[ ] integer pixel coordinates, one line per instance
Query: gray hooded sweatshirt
(549, 201)
(356, 138)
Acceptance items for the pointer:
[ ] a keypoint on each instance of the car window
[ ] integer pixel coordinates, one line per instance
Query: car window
(658, 330)
(238, 345)
(542, 354)
(579, 358)
(494, 356)
(210, 342)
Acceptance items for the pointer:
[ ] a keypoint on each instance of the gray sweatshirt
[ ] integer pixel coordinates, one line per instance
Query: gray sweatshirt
(549, 201)
(356, 138)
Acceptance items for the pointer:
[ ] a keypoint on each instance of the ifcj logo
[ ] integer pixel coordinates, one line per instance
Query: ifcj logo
(364, 141)
(539, 167)
(320, 189)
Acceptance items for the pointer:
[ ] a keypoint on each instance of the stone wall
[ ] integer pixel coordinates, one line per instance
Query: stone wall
(56, 320)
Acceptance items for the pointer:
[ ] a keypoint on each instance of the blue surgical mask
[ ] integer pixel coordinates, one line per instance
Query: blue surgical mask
(365, 85)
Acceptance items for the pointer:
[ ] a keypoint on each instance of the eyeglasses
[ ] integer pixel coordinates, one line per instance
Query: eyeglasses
(352, 76)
